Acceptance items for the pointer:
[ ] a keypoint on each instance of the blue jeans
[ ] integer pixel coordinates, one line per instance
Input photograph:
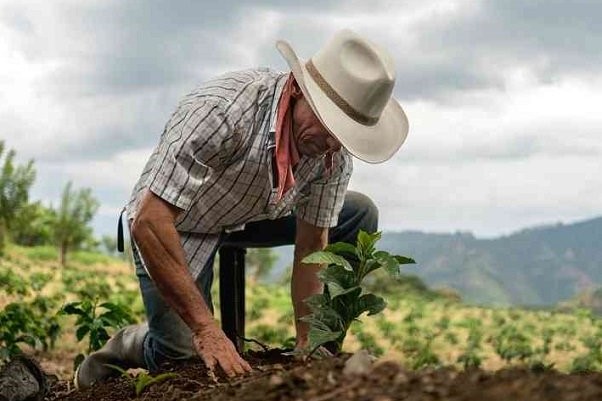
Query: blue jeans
(169, 338)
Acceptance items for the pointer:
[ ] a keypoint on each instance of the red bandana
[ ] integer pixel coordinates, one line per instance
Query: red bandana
(287, 155)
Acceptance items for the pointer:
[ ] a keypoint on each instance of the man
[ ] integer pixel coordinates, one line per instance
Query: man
(252, 158)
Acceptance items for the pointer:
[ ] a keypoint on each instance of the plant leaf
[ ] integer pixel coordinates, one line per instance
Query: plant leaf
(329, 258)
(404, 260)
(389, 262)
(81, 332)
(148, 380)
(343, 305)
(73, 308)
(119, 369)
(336, 290)
(317, 301)
(365, 243)
(337, 274)
(319, 336)
(369, 303)
(325, 319)
(341, 249)
(315, 322)
(371, 265)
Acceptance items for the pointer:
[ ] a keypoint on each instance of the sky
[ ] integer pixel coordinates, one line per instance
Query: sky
(502, 97)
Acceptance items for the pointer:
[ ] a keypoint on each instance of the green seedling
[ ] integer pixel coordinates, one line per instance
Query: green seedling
(141, 380)
(94, 320)
(511, 344)
(344, 299)
(470, 359)
(32, 323)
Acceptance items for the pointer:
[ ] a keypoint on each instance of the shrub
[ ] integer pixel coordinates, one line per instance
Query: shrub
(28, 323)
(344, 300)
(94, 319)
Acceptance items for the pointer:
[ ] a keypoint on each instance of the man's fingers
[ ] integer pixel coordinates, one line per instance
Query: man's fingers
(209, 361)
(239, 364)
(228, 367)
(238, 367)
(233, 364)
(221, 352)
(245, 365)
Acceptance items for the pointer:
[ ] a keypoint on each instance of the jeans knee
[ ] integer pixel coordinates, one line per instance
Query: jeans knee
(169, 339)
(365, 209)
(358, 213)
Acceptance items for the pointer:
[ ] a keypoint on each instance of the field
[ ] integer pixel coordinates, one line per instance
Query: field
(423, 340)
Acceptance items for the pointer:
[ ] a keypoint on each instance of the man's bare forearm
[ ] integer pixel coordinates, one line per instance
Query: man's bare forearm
(160, 248)
(304, 281)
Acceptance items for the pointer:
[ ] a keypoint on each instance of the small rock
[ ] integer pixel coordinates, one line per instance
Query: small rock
(401, 378)
(429, 389)
(360, 363)
(307, 376)
(478, 377)
(276, 380)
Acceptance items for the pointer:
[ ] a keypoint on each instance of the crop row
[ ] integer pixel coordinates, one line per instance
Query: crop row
(48, 308)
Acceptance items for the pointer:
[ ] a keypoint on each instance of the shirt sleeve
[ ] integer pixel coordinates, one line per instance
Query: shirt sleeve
(327, 194)
(196, 143)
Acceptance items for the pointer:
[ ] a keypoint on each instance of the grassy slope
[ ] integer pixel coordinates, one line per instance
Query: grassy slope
(415, 328)
(539, 266)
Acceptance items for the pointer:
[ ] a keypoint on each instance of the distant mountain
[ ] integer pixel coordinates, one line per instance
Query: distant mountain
(538, 266)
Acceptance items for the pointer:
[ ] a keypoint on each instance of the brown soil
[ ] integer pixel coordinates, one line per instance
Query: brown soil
(279, 378)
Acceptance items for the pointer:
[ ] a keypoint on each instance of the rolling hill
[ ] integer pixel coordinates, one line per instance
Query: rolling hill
(536, 266)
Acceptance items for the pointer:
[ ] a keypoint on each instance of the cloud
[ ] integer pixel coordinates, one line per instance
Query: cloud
(488, 197)
(552, 39)
(497, 92)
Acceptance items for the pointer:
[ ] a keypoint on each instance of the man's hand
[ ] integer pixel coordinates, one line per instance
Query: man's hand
(215, 348)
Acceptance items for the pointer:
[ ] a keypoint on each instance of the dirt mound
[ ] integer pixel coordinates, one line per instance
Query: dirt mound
(278, 378)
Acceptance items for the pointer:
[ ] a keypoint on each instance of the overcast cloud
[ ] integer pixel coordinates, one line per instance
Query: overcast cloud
(502, 97)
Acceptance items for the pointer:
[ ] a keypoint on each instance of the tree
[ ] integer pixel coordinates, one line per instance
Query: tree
(15, 182)
(75, 212)
(33, 225)
(108, 245)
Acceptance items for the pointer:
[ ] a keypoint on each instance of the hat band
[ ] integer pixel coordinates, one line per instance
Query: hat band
(336, 98)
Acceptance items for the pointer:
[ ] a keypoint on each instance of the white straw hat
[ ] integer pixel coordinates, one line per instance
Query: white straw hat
(348, 84)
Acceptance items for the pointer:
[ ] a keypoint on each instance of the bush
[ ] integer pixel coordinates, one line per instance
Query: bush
(344, 299)
(33, 323)
(41, 253)
(92, 258)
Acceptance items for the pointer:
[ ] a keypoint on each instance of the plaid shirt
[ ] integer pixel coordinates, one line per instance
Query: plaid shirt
(214, 161)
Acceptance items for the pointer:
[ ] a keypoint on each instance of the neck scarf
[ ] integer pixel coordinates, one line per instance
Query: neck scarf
(287, 155)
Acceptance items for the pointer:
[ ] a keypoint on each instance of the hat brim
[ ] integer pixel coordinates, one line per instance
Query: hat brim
(373, 144)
